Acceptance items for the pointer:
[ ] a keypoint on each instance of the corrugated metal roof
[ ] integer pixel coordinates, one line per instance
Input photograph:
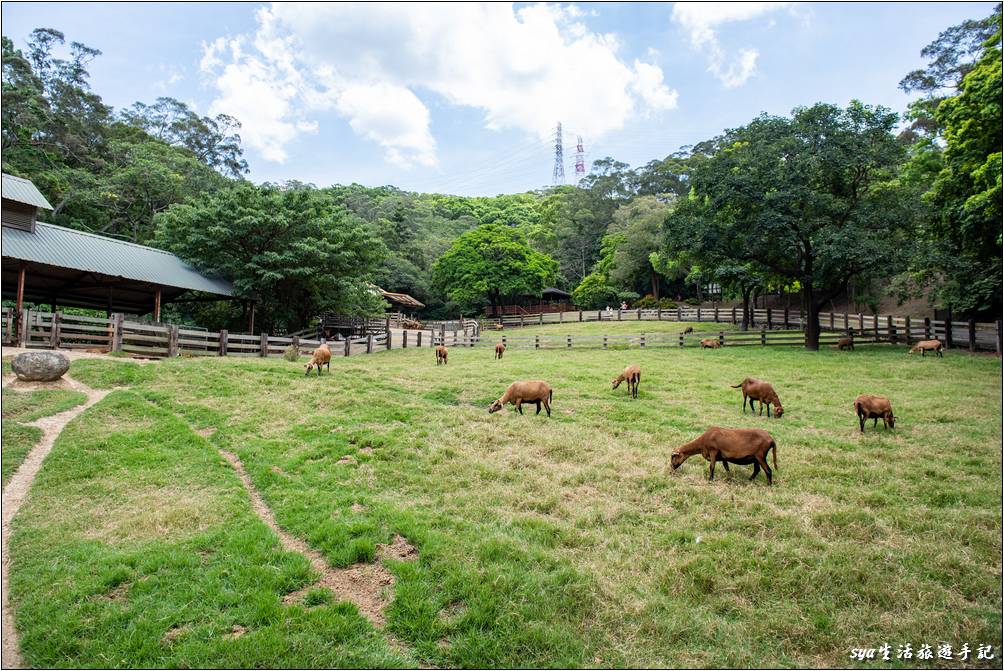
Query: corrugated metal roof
(403, 299)
(67, 248)
(23, 191)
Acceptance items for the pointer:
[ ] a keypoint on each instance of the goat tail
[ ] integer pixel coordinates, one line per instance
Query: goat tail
(773, 446)
(550, 395)
(736, 386)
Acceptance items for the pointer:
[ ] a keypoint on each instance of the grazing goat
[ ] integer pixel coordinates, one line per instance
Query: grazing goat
(689, 329)
(710, 343)
(737, 446)
(633, 376)
(924, 345)
(322, 356)
(845, 343)
(441, 355)
(499, 350)
(868, 406)
(525, 391)
(758, 390)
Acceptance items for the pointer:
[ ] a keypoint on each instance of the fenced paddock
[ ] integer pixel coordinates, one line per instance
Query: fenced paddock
(771, 328)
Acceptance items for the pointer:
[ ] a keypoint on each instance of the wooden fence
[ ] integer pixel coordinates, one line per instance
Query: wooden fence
(116, 334)
(969, 334)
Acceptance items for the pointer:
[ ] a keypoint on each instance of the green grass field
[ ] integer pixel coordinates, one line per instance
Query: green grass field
(20, 407)
(561, 541)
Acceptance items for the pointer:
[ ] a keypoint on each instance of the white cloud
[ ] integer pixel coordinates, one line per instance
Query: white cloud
(522, 68)
(700, 20)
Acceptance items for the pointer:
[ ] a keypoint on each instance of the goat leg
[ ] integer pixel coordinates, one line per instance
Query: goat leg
(756, 471)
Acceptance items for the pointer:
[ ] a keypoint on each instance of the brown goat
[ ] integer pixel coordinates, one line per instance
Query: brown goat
(689, 329)
(441, 355)
(845, 343)
(632, 374)
(868, 406)
(924, 345)
(758, 390)
(710, 343)
(737, 446)
(525, 391)
(499, 350)
(322, 356)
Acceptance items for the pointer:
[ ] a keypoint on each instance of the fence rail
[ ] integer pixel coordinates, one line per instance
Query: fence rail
(775, 328)
(973, 335)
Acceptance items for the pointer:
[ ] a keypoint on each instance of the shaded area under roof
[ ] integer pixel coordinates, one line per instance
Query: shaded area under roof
(402, 299)
(554, 291)
(78, 269)
(23, 191)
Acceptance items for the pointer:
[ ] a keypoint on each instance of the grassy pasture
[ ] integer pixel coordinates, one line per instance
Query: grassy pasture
(561, 541)
(20, 407)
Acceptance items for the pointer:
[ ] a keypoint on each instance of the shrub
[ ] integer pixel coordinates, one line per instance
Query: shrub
(291, 353)
(692, 301)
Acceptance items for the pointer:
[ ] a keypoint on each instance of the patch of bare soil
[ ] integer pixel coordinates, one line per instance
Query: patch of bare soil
(207, 432)
(173, 634)
(236, 631)
(73, 354)
(17, 489)
(357, 507)
(347, 459)
(368, 586)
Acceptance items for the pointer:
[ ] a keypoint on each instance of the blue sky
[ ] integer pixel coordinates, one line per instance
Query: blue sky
(462, 98)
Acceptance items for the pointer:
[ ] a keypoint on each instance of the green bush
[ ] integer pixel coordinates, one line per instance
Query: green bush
(692, 301)
(650, 303)
(291, 353)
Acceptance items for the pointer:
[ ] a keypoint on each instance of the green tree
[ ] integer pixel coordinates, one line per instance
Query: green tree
(594, 293)
(293, 250)
(490, 263)
(810, 198)
(631, 240)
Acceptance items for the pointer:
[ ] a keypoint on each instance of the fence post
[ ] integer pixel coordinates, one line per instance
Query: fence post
(733, 315)
(419, 339)
(681, 338)
(698, 314)
(786, 319)
(847, 322)
(999, 336)
(618, 314)
(891, 328)
(679, 313)
(580, 315)
(369, 343)
(115, 344)
(521, 321)
(540, 319)
(536, 342)
(763, 336)
(716, 314)
(907, 327)
(604, 342)
(348, 345)
(641, 340)
(831, 318)
(770, 318)
(23, 327)
(389, 343)
(404, 338)
(658, 314)
(639, 314)
(54, 330)
(875, 326)
(948, 329)
(721, 337)
(223, 340)
(972, 335)
(561, 317)
(569, 342)
(263, 349)
(927, 328)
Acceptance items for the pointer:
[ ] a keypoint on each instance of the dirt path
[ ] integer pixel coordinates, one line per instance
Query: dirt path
(17, 489)
(366, 585)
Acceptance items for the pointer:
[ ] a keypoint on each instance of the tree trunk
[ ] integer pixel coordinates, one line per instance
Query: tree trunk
(700, 298)
(746, 309)
(812, 308)
(655, 284)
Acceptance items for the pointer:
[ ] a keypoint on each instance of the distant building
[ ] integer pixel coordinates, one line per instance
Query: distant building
(550, 299)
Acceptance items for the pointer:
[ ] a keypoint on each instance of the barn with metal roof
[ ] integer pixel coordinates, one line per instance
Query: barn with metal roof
(43, 263)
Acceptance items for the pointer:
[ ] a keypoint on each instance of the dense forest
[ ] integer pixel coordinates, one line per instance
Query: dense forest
(812, 203)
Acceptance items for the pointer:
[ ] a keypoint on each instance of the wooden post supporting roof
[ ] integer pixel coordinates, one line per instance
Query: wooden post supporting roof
(19, 312)
(156, 305)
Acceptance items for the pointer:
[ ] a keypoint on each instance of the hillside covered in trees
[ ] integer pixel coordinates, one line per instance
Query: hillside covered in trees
(826, 199)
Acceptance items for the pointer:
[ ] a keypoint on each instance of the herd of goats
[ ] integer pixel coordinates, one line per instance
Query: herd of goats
(728, 446)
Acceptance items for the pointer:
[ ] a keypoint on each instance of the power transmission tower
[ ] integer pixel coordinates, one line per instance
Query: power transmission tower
(558, 177)
(580, 160)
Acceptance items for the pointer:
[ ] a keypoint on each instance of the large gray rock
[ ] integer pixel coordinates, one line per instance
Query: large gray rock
(43, 366)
